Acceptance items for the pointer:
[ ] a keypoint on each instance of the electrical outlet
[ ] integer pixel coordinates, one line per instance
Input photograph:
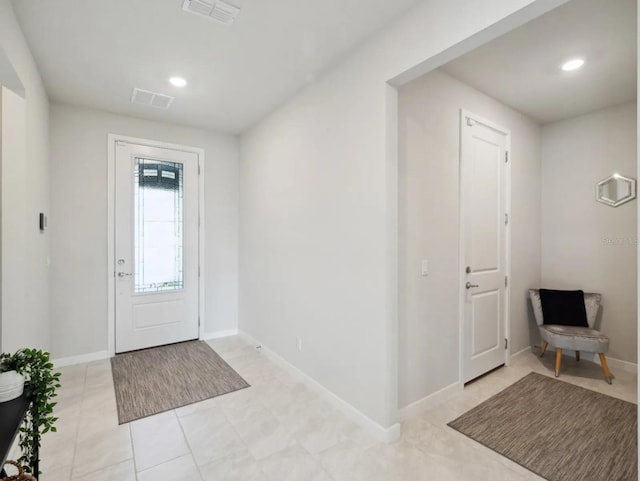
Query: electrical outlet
(299, 343)
(424, 267)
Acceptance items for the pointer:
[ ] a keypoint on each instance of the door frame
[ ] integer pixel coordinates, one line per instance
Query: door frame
(112, 140)
(461, 237)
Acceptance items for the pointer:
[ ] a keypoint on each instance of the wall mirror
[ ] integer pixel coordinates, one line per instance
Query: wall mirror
(616, 190)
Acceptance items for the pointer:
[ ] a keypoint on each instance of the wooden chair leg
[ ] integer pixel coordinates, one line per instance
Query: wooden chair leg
(558, 360)
(545, 344)
(605, 367)
(578, 356)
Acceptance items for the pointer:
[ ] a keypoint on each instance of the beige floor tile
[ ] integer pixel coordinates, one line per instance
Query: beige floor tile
(479, 467)
(57, 474)
(293, 464)
(240, 466)
(267, 389)
(122, 472)
(93, 422)
(102, 450)
(72, 376)
(197, 406)
(183, 467)
(231, 347)
(210, 436)
(241, 412)
(281, 429)
(69, 397)
(422, 434)
(317, 433)
(451, 409)
(157, 439)
(346, 460)
(296, 400)
(99, 375)
(263, 433)
(57, 449)
(242, 397)
(358, 435)
(98, 412)
(398, 461)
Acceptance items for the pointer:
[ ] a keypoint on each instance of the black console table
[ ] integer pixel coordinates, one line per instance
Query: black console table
(12, 414)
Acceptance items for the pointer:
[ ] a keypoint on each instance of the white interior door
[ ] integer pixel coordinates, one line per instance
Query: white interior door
(156, 246)
(484, 188)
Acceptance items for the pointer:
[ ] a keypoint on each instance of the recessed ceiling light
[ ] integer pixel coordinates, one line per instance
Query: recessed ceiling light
(178, 81)
(573, 64)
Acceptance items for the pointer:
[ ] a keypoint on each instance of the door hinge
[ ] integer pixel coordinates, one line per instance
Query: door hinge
(506, 281)
(198, 169)
(506, 343)
(198, 271)
(506, 157)
(506, 219)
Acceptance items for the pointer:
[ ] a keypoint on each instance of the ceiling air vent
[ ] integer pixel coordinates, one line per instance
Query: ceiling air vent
(219, 11)
(151, 99)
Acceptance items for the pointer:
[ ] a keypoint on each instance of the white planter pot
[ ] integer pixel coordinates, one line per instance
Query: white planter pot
(11, 385)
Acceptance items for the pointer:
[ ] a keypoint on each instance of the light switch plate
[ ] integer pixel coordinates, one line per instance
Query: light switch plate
(425, 268)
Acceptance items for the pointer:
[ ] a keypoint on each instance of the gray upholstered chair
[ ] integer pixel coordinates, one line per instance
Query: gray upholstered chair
(573, 337)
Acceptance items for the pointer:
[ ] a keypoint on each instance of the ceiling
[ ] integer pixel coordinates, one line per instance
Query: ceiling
(522, 68)
(94, 52)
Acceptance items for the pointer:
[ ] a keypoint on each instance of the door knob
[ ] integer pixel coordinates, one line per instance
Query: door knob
(123, 274)
(468, 285)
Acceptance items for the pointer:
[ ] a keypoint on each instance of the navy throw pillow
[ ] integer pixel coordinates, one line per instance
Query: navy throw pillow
(565, 308)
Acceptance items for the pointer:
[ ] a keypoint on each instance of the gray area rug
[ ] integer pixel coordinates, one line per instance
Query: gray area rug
(559, 431)
(155, 380)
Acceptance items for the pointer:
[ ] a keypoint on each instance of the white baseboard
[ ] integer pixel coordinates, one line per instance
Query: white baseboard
(420, 406)
(80, 359)
(218, 334)
(614, 364)
(522, 352)
(100, 355)
(619, 364)
(386, 435)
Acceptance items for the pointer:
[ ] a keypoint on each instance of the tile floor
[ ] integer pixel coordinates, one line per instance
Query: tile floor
(278, 430)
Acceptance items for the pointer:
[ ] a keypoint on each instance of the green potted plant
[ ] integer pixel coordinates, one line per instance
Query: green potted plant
(41, 382)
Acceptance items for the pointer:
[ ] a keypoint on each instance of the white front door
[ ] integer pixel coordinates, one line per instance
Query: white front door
(484, 187)
(156, 246)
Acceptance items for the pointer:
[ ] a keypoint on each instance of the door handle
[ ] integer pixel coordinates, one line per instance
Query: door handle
(123, 274)
(468, 285)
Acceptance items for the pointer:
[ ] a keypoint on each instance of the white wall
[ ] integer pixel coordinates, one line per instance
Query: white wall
(319, 209)
(429, 140)
(25, 193)
(78, 223)
(14, 216)
(587, 245)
